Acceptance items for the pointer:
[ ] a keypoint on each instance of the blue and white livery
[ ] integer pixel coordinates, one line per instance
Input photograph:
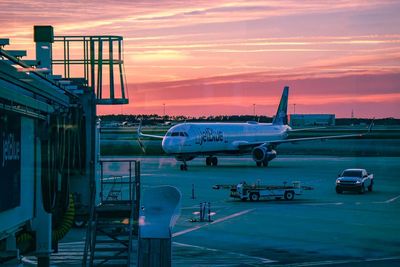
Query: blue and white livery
(186, 141)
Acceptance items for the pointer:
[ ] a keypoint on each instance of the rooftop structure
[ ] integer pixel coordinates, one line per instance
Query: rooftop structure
(312, 119)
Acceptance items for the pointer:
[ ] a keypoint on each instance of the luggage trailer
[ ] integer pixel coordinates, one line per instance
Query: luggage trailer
(254, 192)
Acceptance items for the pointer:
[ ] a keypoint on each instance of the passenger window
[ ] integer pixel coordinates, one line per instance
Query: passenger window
(175, 134)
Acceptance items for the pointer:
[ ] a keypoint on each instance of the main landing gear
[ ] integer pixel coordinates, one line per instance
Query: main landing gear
(211, 161)
(262, 163)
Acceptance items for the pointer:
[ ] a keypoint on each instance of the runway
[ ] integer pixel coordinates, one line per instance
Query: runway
(318, 228)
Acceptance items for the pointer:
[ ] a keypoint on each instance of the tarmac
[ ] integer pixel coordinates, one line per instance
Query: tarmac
(318, 228)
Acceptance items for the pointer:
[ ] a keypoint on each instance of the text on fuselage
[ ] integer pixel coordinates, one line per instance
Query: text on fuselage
(209, 135)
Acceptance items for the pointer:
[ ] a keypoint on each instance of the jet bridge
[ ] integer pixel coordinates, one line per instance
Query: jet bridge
(49, 146)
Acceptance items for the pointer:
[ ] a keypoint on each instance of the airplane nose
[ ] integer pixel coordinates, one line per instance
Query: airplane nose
(166, 145)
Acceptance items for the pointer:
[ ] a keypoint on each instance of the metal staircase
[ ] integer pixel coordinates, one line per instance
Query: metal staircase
(113, 227)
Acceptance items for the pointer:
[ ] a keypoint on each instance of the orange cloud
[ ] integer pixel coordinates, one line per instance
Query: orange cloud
(216, 52)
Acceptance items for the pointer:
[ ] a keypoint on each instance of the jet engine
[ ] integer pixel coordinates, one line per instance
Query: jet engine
(263, 154)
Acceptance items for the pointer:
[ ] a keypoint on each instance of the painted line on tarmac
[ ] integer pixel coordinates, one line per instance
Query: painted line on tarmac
(232, 216)
(355, 203)
(324, 204)
(188, 230)
(387, 201)
(392, 199)
(334, 262)
(196, 207)
(263, 260)
(194, 246)
(214, 222)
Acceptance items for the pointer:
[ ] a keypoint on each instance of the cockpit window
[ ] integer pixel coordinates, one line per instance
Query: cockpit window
(178, 134)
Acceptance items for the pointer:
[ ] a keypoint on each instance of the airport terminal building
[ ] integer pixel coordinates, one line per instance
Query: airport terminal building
(312, 119)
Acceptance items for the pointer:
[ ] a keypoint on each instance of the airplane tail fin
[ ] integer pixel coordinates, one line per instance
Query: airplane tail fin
(281, 117)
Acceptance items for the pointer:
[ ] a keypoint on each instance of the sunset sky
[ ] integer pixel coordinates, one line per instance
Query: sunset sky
(221, 57)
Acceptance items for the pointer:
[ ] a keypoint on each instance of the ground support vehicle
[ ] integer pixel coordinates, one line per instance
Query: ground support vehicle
(257, 191)
(356, 180)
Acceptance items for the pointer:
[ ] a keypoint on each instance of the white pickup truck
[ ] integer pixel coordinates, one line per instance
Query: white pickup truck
(354, 180)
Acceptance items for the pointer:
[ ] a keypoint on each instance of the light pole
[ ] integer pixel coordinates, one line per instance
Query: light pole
(164, 109)
(254, 110)
(294, 108)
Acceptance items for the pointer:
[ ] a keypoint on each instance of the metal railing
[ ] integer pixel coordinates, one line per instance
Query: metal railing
(114, 221)
(95, 54)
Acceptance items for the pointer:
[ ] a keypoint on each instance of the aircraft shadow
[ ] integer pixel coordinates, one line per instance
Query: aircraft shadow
(238, 166)
(275, 201)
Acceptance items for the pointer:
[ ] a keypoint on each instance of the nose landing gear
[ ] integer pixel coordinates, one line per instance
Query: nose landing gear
(184, 166)
(210, 161)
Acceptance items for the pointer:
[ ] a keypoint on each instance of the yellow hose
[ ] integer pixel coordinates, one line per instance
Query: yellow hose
(66, 221)
(26, 240)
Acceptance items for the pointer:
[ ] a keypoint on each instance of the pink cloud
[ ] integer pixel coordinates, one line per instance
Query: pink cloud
(224, 54)
(321, 95)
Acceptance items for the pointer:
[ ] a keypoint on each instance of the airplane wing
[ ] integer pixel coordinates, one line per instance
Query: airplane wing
(151, 136)
(322, 138)
(140, 134)
(246, 145)
(306, 129)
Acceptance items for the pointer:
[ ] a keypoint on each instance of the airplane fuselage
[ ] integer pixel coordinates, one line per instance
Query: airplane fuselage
(219, 138)
(186, 141)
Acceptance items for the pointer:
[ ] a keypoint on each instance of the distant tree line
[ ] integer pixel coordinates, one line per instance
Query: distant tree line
(156, 119)
(153, 119)
(355, 121)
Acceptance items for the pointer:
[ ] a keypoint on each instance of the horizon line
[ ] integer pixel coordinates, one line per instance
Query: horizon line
(249, 115)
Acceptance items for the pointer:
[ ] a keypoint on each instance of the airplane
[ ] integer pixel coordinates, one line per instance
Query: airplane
(186, 141)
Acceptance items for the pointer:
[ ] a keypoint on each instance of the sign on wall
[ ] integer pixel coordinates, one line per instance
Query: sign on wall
(10, 160)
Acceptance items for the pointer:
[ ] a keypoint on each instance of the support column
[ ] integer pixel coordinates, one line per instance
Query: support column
(42, 223)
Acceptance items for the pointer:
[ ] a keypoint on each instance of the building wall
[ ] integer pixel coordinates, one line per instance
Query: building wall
(14, 217)
(312, 119)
